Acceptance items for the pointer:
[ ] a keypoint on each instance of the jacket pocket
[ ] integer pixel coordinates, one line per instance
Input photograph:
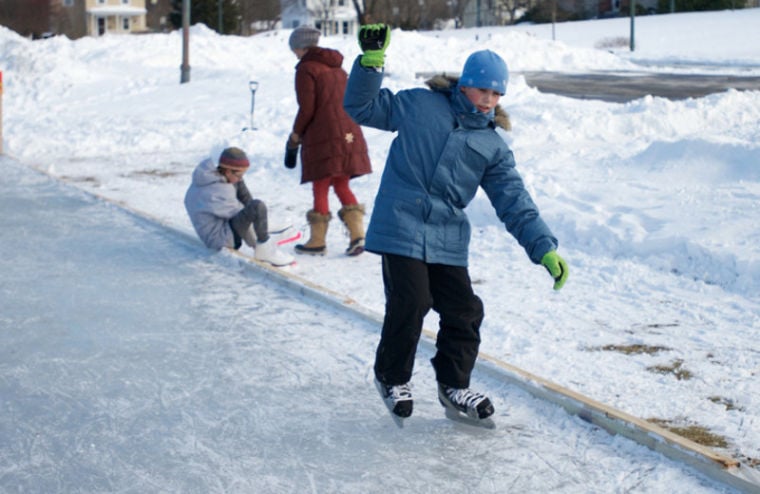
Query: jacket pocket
(397, 214)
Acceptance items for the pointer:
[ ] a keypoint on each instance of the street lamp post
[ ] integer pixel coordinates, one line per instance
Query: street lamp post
(633, 16)
(219, 13)
(185, 69)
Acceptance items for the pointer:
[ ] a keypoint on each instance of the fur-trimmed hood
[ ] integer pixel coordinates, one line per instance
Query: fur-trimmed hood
(446, 84)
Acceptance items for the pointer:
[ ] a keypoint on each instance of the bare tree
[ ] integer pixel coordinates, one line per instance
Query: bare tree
(368, 11)
(26, 17)
(507, 10)
(409, 14)
(258, 15)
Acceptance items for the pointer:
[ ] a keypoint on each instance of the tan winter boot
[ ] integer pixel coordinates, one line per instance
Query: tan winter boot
(318, 223)
(353, 217)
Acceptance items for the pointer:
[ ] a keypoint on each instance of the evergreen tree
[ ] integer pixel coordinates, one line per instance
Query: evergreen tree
(207, 12)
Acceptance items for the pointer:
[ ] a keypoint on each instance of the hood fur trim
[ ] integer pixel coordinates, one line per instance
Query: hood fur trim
(443, 82)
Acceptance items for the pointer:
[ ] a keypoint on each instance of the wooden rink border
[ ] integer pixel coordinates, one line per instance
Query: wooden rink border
(721, 468)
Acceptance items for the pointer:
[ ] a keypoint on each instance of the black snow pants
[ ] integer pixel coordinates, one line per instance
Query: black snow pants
(412, 287)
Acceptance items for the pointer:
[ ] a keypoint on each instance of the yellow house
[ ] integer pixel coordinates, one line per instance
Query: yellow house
(115, 16)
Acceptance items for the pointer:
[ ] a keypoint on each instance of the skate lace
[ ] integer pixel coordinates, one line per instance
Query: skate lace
(401, 392)
(465, 397)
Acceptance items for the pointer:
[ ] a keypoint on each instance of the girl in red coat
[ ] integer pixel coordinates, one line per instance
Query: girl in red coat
(333, 149)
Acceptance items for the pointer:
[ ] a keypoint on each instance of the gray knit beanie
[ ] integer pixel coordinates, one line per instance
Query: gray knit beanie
(304, 37)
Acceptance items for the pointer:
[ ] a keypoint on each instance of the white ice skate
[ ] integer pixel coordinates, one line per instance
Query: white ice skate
(269, 252)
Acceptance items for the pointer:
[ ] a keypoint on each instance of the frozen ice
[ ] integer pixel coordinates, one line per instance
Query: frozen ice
(134, 360)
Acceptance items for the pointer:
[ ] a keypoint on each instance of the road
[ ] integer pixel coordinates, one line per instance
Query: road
(620, 87)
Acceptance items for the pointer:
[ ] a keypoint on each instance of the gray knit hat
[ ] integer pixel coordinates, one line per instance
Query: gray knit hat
(303, 37)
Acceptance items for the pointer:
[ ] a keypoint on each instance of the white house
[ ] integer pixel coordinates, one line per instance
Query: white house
(329, 16)
(115, 16)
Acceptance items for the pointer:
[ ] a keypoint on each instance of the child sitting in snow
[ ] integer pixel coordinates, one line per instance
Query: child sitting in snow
(223, 212)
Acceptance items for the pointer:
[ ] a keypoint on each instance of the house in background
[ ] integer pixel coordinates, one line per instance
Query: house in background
(114, 16)
(480, 13)
(329, 16)
(78, 18)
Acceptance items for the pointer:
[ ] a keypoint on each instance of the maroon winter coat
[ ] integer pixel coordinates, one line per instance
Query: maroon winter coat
(332, 144)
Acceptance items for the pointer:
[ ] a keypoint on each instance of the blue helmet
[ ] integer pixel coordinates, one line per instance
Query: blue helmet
(485, 70)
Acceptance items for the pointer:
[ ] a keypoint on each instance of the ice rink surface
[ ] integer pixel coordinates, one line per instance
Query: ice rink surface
(132, 360)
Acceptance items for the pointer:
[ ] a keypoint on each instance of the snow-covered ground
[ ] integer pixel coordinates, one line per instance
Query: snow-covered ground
(655, 202)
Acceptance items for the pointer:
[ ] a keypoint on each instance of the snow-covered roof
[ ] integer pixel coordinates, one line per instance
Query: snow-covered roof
(123, 10)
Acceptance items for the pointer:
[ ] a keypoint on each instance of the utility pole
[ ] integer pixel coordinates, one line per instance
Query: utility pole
(185, 69)
(554, 19)
(633, 16)
(221, 24)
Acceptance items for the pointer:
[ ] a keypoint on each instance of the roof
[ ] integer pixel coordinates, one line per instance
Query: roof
(123, 10)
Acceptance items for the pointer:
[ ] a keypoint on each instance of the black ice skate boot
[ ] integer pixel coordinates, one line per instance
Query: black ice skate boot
(398, 399)
(474, 405)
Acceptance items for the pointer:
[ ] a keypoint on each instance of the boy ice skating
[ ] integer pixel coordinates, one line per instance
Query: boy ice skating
(223, 212)
(446, 147)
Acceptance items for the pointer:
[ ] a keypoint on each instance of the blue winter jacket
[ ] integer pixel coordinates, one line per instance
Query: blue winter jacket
(444, 150)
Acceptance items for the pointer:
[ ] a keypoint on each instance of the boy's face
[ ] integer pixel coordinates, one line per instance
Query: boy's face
(484, 100)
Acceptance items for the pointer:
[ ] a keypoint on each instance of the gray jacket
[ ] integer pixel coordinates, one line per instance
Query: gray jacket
(211, 201)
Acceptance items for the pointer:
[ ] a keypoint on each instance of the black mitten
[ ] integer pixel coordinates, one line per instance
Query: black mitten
(291, 155)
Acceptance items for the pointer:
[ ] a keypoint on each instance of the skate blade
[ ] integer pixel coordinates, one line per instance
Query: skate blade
(456, 416)
(399, 421)
(276, 266)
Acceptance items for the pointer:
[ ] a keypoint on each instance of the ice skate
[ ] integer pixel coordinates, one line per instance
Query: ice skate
(398, 399)
(269, 252)
(467, 406)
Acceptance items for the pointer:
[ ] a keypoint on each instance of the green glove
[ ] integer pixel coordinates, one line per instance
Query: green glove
(373, 40)
(556, 266)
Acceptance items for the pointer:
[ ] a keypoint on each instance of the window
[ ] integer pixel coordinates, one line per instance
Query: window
(125, 23)
(68, 3)
(125, 2)
(101, 2)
